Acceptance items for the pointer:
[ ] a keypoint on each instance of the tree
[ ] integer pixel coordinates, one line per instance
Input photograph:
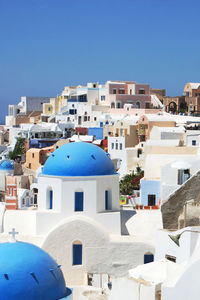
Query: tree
(131, 182)
(19, 148)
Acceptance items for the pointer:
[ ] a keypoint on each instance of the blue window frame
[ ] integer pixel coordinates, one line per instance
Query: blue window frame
(108, 201)
(148, 258)
(50, 199)
(78, 201)
(77, 254)
(193, 142)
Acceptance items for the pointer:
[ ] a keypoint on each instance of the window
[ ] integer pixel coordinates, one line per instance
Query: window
(78, 201)
(151, 200)
(120, 146)
(88, 118)
(148, 257)
(194, 142)
(32, 155)
(138, 104)
(51, 199)
(121, 91)
(31, 201)
(114, 91)
(49, 108)
(95, 118)
(147, 105)
(85, 118)
(112, 105)
(130, 91)
(139, 152)
(116, 146)
(118, 105)
(112, 146)
(183, 175)
(108, 200)
(103, 98)
(29, 165)
(77, 254)
(141, 91)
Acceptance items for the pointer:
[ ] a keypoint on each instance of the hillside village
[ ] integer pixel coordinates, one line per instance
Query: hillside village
(103, 177)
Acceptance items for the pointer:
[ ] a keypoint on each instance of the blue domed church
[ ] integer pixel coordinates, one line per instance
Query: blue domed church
(79, 217)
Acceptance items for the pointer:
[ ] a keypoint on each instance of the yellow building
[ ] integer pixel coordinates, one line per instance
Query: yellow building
(53, 107)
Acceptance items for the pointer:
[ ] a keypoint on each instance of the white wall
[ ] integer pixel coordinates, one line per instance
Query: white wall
(193, 135)
(94, 188)
(24, 221)
(102, 253)
(169, 176)
(128, 289)
(164, 245)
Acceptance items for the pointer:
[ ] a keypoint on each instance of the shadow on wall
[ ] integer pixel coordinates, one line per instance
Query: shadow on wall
(125, 215)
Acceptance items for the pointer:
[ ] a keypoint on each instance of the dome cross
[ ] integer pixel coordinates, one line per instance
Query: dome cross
(13, 233)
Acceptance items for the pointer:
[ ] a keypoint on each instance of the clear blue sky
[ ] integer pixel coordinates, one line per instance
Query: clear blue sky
(47, 44)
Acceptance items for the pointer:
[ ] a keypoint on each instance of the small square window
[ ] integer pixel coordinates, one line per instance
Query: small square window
(194, 142)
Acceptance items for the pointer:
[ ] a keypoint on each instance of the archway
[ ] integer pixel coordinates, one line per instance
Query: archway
(172, 107)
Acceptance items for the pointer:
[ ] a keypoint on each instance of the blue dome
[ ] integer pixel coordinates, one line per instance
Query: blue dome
(28, 272)
(6, 165)
(79, 159)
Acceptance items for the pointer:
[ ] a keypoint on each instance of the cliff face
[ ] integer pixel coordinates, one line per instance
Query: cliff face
(173, 208)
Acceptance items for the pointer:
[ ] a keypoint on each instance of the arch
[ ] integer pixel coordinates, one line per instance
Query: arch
(78, 200)
(49, 198)
(138, 104)
(112, 104)
(77, 253)
(148, 257)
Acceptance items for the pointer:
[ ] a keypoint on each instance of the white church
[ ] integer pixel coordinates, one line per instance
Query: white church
(78, 220)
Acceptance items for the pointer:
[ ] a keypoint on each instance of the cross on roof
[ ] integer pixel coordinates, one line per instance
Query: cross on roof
(13, 233)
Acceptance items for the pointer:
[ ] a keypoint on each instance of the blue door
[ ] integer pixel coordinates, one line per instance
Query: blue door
(77, 254)
(78, 201)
